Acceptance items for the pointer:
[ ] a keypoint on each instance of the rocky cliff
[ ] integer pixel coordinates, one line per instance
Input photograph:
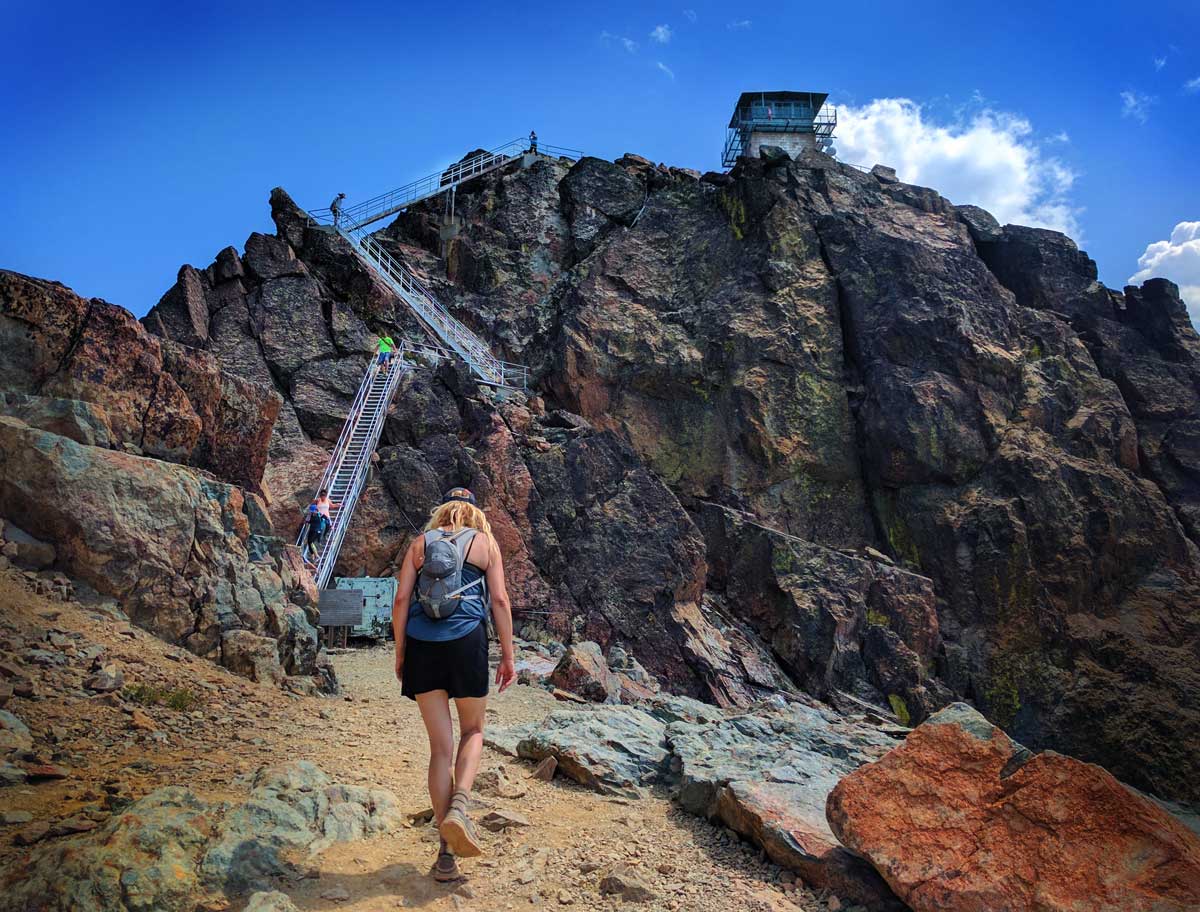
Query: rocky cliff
(986, 464)
(134, 464)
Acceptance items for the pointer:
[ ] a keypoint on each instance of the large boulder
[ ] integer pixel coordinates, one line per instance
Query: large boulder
(189, 558)
(182, 313)
(252, 656)
(616, 750)
(582, 670)
(173, 851)
(597, 195)
(83, 422)
(143, 393)
(962, 819)
(981, 223)
(768, 775)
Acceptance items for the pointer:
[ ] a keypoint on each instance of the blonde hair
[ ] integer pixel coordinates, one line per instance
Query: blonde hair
(457, 515)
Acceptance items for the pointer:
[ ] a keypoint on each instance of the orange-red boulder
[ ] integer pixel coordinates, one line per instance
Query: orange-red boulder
(962, 819)
(582, 670)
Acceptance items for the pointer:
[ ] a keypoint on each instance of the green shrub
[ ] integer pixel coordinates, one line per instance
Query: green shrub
(182, 700)
(145, 694)
(900, 708)
(179, 699)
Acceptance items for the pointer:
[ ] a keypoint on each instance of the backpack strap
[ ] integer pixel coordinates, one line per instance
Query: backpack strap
(462, 545)
(430, 537)
(434, 535)
(462, 540)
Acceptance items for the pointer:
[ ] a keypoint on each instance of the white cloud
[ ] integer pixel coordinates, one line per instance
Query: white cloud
(661, 34)
(666, 69)
(1062, 136)
(1159, 63)
(628, 43)
(738, 25)
(1136, 105)
(1192, 85)
(1177, 259)
(990, 159)
(689, 15)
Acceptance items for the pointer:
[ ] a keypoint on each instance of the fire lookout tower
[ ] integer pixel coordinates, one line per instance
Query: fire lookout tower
(794, 121)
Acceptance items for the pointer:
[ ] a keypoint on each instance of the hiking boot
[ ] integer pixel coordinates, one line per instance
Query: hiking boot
(457, 829)
(445, 869)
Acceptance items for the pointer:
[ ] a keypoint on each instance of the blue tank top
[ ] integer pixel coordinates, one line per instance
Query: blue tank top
(472, 610)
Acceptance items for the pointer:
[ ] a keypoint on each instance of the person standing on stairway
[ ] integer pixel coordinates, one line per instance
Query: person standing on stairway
(533, 142)
(325, 505)
(312, 530)
(385, 347)
(451, 577)
(336, 208)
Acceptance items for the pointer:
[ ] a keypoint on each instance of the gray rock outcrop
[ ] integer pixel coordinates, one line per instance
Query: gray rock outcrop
(765, 774)
(171, 851)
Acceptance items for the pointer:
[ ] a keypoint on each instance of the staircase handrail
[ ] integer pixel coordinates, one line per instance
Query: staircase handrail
(337, 462)
(560, 151)
(339, 448)
(436, 318)
(518, 374)
(378, 207)
(328, 556)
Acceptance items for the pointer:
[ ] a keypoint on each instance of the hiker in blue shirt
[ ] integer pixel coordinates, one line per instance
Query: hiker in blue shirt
(451, 578)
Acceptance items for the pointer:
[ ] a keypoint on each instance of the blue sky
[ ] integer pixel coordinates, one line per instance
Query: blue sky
(141, 136)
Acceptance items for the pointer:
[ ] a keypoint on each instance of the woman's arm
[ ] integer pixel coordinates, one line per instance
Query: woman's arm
(502, 616)
(404, 587)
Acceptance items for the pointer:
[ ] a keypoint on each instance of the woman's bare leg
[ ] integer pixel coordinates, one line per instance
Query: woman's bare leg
(470, 740)
(435, 713)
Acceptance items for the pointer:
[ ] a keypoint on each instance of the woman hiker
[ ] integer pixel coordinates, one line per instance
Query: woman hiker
(324, 504)
(311, 531)
(450, 577)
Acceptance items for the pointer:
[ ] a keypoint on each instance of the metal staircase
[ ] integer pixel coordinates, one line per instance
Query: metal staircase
(346, 474)
(386, 204)
(434, 317)
(395, 201)
(349, 463)
(351, 223)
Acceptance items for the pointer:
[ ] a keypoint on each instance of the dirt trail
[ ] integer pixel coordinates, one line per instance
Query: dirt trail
(370, 735)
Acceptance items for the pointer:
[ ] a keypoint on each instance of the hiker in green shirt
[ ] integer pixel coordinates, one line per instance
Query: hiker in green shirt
(386, 348)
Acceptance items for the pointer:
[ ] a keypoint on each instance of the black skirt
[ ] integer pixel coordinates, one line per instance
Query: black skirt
(459, 667)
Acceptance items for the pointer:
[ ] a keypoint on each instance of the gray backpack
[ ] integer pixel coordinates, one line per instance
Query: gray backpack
(440, 588)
